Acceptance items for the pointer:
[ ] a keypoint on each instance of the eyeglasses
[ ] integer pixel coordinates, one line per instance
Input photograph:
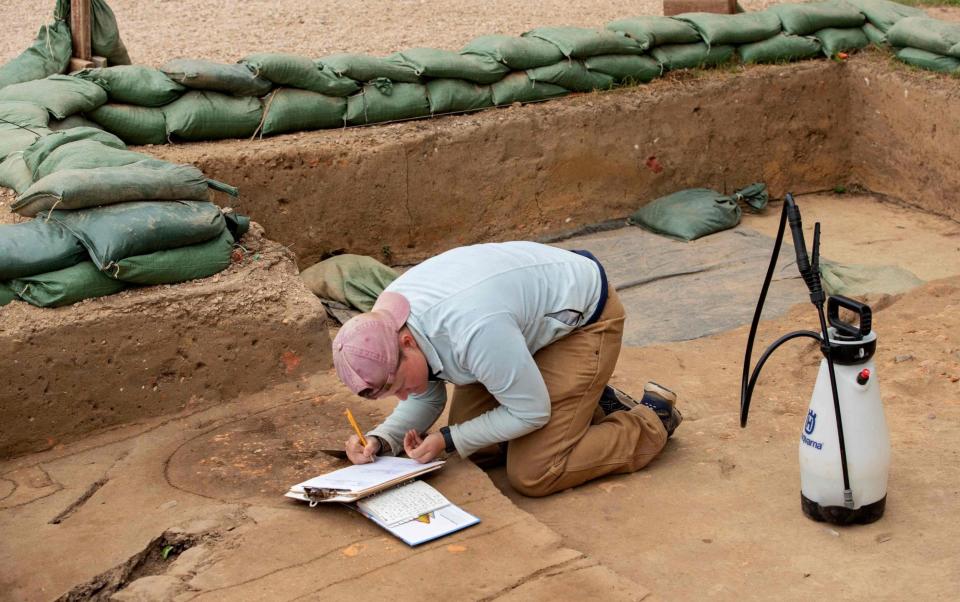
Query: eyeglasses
(375, 393)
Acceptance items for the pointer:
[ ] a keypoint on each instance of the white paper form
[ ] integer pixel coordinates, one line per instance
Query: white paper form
(404, 503)
(364, 476)
(444, 521)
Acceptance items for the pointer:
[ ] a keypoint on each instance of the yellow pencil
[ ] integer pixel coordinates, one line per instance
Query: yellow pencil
(356, 427)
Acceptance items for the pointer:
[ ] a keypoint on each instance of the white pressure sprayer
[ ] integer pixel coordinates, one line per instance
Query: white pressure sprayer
(844, 444)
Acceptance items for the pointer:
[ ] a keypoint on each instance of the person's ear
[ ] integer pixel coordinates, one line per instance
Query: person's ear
(406, 340)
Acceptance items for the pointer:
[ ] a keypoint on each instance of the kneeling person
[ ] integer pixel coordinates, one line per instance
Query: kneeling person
(529, 335)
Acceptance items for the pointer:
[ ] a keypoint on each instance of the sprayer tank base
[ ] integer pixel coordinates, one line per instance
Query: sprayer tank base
(840, 515)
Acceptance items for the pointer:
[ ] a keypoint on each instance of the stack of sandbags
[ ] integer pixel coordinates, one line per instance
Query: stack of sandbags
(927, 43)
(106, 218)
(69, 255)
(881, 15)
(271, 93)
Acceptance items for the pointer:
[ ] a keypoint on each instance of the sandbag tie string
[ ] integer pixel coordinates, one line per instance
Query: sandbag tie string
(50, 212)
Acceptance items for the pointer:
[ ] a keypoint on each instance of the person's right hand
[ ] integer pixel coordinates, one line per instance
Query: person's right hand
(358, 454)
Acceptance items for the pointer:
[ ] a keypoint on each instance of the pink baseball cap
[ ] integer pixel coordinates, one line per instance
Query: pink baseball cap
(366, 350)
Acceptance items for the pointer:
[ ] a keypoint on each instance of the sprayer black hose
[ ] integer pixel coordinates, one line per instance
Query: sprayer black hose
(744, 394)
(836, 401)
(773, 347)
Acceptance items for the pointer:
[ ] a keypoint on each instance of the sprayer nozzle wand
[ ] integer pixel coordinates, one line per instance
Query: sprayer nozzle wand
(811, 274)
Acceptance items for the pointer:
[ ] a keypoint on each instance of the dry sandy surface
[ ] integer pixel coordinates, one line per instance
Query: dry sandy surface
(155, 32)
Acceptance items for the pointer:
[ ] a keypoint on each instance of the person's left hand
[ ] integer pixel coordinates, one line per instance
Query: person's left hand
(425, 449)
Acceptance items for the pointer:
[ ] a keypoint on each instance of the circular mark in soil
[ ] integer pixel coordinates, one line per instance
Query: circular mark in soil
(263, 455)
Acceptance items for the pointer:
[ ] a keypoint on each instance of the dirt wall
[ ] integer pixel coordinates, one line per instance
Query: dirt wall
(906, 132)
(158, 350)
(405, 191)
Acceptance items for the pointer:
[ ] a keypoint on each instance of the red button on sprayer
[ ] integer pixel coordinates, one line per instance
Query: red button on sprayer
(863, 377)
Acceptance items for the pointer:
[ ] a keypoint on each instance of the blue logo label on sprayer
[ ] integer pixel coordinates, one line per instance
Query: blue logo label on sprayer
(808, 430)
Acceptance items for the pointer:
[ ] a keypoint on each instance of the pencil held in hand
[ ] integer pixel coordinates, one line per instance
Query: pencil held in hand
(356, 427)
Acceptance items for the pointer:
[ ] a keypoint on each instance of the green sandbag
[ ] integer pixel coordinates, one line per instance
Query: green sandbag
(364, 68)
(49, 54)
(14, 173)
(21, 124)
(874, 35)
(625, 67)
(23, 113)
(385, 101)
(911, 56)
(518, 87)
(518, 53)
(457, 95)
(580, 42)
(134, 84)
(124, 230)
(73, 121)
(38, 152)
(691, 56)
(834, 41)
(689, 214)
(66, 286)
(177, 265)
(292, 110)
(743, 28)
(300, 72)
(81, 188)
(35, 247)
(656, 30)
(354, 280)
(854, 280)
(932, 35)
(7, 294)
(433, 63)
(804, 19)
(883, 14)
(955, 50)
(86, 154)
(237, 224)
(237, 79)
(211, 116)
(780, 48)
(61, 95)
(572, 75)
(105, 35)
(755, 196)
(134, 125)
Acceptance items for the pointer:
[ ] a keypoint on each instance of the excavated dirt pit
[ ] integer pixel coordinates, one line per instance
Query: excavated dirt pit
(715, 517)
(405, 191)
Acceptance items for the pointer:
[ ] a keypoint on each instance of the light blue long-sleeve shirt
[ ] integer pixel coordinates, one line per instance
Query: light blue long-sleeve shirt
(478, 314)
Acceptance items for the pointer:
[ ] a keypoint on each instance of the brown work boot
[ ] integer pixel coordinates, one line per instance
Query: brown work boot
(655, 396)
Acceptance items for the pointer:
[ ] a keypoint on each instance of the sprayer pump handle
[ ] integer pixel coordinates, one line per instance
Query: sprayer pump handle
(835, 302)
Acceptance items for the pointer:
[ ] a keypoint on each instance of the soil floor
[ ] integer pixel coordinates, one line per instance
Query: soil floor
(717, 516)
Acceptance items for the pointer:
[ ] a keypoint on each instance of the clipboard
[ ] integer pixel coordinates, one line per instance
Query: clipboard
(360, 480)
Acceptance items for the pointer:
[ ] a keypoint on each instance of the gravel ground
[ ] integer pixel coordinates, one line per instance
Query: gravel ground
(159, 30)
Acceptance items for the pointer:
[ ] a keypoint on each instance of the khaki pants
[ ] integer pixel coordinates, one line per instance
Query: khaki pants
(579, 443)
